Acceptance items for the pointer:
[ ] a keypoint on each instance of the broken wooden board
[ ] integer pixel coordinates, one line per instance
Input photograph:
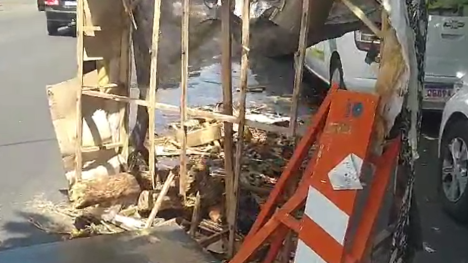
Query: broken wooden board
(201, 136)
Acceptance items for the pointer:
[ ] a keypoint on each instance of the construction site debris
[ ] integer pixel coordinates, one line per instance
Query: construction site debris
(106, 204)
(148, 198)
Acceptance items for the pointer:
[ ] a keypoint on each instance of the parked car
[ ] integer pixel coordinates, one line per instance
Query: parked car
(352, 59)
(59, 13)
(40, 5)
(453, 156)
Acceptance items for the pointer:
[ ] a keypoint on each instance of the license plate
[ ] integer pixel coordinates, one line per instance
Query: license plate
(69, 3)
(438, 94)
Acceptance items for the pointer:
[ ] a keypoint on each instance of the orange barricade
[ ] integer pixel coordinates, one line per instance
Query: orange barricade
(330, 186)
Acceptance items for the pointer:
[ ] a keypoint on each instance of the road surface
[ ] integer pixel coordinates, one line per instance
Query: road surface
(445, 240)
(29, 155)
(30, 159)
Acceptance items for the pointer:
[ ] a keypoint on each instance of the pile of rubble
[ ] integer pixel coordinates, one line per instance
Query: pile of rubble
(123, 201)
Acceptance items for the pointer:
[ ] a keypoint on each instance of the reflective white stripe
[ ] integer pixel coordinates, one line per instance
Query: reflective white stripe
(305, 254)
(327, 215)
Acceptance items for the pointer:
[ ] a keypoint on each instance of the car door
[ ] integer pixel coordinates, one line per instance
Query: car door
(447, 41)
(316, 60)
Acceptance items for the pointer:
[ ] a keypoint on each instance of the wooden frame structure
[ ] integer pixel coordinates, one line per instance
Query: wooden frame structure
(95, 34)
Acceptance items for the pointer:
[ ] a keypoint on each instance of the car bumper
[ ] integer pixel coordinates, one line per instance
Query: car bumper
(63, 17)
(433, 105)
(368, 85)
(437, 104)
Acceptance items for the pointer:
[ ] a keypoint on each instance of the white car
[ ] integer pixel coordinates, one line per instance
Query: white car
(352, 59)
(453, 156)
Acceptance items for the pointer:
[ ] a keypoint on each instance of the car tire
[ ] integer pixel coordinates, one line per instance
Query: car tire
(452, 182)
(336, 74)
(73, 31)
(52, 28)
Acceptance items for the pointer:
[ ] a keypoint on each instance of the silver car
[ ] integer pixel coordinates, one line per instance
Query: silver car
(352, 59)
(453, 156)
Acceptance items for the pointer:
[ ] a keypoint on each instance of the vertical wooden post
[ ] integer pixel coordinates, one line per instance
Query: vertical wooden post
(79, 94)
(152, 90)
(183, 97)
(226, 76)
(195, 216)
(298, 74)
(232, 215)
(298, 65)
(125, 69)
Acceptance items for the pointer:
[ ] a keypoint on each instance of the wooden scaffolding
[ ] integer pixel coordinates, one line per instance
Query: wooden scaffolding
(104, 38)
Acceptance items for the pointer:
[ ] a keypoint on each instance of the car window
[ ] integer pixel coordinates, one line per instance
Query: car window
(448, 8)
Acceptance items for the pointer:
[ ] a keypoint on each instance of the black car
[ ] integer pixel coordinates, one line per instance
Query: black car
(59, 13)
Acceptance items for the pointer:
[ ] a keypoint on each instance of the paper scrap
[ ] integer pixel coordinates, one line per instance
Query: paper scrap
(345, 175)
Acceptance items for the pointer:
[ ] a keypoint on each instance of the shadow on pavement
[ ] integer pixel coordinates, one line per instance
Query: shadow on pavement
(167, 243)
(24, 235)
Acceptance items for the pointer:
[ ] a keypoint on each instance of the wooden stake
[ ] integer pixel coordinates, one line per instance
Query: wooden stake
(152, 90)
(232, 212)
(226, 76)
(79, 94)
(195, 216)
(298, 66)
(125, 73)
(159, 200)
(298, 74)
(183, 97)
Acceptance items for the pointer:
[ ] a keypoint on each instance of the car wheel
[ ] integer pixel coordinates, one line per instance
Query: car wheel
(336, 74)
(73, 31)
(52, 28)
(453, 171)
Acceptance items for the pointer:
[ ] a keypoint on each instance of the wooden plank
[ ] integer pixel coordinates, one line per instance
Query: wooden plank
(152, 90)
(358, 12)
(183, 97)
(195, 216)
(101, 147)
(299, 65)
(160, 199)
(206, 241)
(234, 191)
(298, 74)
(125, 73)
(87, 20)
(226, 77)
(79, 103)
(201, 136)
(198, 113)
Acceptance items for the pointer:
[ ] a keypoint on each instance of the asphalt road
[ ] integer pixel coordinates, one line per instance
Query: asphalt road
(444, 240)
(29, 154)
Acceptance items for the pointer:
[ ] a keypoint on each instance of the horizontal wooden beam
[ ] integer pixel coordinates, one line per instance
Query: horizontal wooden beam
(196, 113)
